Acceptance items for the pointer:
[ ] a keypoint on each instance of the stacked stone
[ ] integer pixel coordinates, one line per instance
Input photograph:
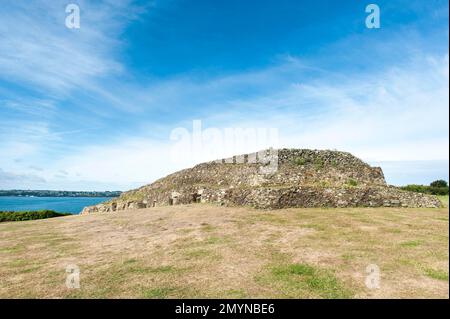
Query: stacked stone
(274, 179)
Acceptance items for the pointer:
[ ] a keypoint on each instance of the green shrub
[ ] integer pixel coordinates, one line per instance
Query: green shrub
(352, 182)
(9, 216)
(319, 164)
(300, 161)
(433, 190)
(415, 188)
(440, 183)
(438, 190)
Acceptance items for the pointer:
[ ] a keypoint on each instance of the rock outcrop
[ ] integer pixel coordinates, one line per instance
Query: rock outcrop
(274, 179)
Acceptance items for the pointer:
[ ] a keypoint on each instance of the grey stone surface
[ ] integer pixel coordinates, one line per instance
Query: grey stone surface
(274, 179)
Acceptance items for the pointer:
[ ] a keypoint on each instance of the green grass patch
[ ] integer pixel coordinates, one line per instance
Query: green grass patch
(436, 274)
(152, 270)
(29, 269)
(392, 230)
(200, 254)
(272, 218)
(411, 243)
(444, 200)
(12, 249)
(302, 280)
(157, 293)
(17, 263)
(215, 240)
(348, 257)
(236, 293)
(293, 269)
(161, 269)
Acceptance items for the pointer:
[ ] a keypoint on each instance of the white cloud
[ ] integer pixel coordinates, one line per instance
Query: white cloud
(39, 50)
(401, 114)
(398, 114)
(9, 180)
(129, 163)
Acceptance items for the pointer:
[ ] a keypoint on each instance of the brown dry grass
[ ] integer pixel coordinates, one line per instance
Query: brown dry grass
(207, 251)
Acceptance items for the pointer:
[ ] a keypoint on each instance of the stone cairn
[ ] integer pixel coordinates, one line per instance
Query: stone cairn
(272, 179)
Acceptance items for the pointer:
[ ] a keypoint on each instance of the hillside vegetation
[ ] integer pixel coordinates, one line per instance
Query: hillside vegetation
(439, 187)
(28, 215)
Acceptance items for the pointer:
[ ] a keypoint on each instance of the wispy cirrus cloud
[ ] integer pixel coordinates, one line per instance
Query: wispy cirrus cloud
(38, 50)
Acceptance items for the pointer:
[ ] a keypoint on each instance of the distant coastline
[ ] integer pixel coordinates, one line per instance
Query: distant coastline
(53, 193)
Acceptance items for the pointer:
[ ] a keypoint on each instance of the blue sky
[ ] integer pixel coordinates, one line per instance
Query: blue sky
(94, 108)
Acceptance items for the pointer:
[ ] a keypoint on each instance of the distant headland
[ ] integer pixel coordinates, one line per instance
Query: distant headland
(55, 193)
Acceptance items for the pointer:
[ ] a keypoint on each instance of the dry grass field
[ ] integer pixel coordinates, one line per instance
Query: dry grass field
(198, 250)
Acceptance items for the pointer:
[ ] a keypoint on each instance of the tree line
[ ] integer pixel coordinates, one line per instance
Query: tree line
(438, 187)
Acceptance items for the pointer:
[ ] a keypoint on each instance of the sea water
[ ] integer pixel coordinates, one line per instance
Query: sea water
(73, 205)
